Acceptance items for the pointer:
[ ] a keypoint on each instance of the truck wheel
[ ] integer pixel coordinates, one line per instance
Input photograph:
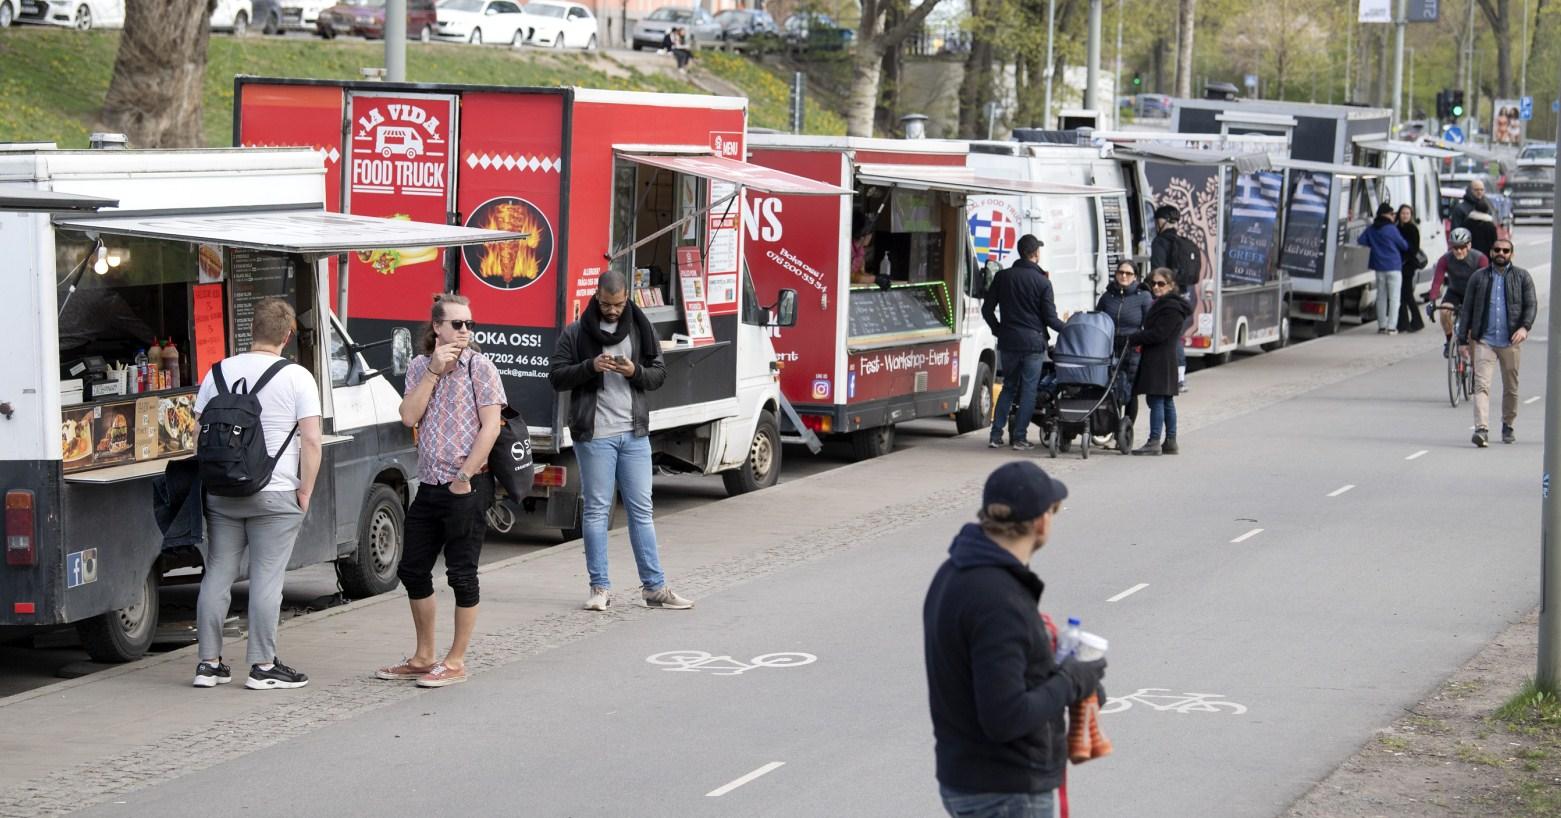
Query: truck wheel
(870, 443)
(1217, 359)
(272, 25)
(1331, 325)
(371, 570)
(978, 415)
(1284, 331)
(126, 634)
(762, 468)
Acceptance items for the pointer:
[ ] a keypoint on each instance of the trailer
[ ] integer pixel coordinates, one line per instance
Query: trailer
(889, 327)
(647, 184)
(114, 251)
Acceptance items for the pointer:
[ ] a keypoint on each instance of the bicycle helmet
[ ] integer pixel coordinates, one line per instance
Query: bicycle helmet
(1461, 237)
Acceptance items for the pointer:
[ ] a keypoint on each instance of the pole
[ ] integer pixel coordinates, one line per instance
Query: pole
(1349, 58)
(396, 40)
(1051, 33)
(1549, 675)
(1468, 81)
(1117, 82)
(1409, 93)
(1523, 81)
(1399, 21)
(1092, 52)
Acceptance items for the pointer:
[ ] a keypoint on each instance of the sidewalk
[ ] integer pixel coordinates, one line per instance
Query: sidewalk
(80, 742)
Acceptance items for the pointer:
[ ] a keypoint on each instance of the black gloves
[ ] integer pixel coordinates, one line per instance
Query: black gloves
(1084, 677)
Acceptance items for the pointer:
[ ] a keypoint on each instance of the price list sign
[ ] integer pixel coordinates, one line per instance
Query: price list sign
(253, 276)
(211, 329)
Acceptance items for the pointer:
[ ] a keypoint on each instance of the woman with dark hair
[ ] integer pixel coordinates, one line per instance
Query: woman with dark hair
(1127, 304)
(1409, 319)
(1156, 378)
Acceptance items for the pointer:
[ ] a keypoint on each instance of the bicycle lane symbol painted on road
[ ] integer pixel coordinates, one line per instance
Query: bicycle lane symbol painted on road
(1164, 700)
(698, 661)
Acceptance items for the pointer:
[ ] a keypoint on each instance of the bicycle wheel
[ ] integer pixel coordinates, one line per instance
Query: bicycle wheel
(1468, 378)
(1454, 378)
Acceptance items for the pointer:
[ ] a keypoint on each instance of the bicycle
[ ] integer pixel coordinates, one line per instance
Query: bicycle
(1460, 369)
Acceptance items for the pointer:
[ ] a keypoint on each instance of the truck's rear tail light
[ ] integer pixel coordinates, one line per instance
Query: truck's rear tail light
(24, 608)
(20, 537)
(820, 424)
(553, 477)
(1314, 308)
(1200, 342)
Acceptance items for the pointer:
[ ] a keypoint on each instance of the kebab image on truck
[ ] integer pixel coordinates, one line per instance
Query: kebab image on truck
(646, 184)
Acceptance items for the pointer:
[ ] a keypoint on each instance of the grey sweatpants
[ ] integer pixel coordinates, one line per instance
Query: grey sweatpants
(265, 525)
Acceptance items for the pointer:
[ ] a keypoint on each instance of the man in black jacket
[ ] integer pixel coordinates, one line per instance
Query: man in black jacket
(996, 690)
(1019, 308)
(607, 361)
(1170, 251)
(1498, 312)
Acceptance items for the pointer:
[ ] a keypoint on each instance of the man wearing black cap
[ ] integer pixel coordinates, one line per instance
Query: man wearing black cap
(1182, 257)
(1019, 308)
(998, 694)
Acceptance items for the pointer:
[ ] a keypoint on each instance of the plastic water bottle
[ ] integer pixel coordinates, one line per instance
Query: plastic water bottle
(1068, 642)
(139, 375)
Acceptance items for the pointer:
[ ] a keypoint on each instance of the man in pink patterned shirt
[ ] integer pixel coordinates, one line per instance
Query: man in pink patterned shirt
(453, 398)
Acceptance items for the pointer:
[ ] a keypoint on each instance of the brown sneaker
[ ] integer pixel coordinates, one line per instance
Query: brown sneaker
(404, 672)
(442, 675)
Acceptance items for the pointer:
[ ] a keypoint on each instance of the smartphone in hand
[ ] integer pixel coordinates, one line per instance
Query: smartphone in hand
(619, 360)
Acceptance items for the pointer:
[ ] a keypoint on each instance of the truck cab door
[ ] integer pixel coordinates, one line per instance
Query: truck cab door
(367, 410)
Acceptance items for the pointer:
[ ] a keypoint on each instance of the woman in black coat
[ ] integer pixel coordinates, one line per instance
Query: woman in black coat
(1157, 361)
(1127, 304)
(1409, 319)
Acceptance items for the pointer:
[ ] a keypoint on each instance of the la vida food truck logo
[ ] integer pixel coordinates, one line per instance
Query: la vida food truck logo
(510, 265)
(398, 148)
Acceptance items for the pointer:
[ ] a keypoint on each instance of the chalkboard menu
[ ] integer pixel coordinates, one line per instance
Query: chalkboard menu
(916, 308)
(1111, 210)
(254, 275)
(1305, 251)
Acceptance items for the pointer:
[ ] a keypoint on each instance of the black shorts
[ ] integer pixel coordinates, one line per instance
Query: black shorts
(440, 522)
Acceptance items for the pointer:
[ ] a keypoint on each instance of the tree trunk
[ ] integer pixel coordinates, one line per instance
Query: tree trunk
(888, 109)
(1380, 94)
(1157, 64)
(1187, 21)
(867, 63)
(154, 97)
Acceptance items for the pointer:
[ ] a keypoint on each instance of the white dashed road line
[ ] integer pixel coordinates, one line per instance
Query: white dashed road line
(1247, 536)
(1534, 399)
(1418, 455)
(1129, 592)
(1340, 490)
(732, 785)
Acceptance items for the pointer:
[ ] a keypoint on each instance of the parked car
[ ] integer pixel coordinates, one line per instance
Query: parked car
(366, 19)
(559, 24)
(78, 14)
(812, 29)
(266, 15)
(741, 24)
(649, 32)
(1537, 150)
(303, 15)
(480, 21)
(232, 15)
(1153, 106)
(1532, 187)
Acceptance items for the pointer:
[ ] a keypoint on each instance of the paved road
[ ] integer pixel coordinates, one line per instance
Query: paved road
(1260, 579)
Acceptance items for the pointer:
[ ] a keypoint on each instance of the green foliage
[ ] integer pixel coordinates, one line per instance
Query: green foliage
(53, 80)
(769, 96)
(1532, 707)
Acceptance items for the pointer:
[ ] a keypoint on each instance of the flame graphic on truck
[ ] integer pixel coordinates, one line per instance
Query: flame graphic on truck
(510, 264)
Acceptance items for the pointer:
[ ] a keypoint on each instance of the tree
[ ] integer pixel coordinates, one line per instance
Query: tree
(154, 97)
(1187, 21)
(1499, 15)
(867, 62)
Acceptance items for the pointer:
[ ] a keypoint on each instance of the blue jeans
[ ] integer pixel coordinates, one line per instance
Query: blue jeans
(1162, 414)
(1390, 284)
(621, 462)
(1022, 369)
(999, 804)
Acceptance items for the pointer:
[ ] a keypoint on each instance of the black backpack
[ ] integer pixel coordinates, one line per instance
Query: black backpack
(1187, 263)
(232, 445)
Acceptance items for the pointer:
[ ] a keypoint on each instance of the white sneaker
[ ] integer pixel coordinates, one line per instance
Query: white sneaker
(599, 600)
(664, 597)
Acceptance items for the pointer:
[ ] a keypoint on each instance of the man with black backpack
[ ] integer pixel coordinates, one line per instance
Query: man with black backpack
(1184, 259)
(259, 453)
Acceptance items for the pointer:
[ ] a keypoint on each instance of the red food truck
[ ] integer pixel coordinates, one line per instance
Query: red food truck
(647, 184)
(889, 324)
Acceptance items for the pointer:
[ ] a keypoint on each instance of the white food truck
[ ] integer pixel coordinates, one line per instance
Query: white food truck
(112, 253)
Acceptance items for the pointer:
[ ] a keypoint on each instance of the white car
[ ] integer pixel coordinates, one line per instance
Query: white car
(80, 14)
(559, 25)
(480, 21)
(303, 14)
(232, 15)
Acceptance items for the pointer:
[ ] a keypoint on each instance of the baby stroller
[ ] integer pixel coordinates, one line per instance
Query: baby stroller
(1084, 395)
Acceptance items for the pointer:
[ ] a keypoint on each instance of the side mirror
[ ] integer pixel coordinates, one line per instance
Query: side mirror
(400, 350)
(784, 313)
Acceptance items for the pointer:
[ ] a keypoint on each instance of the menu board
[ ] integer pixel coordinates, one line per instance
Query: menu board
(144, 428)
(1305, 249)
(211, 328)
(913, 308)
(1111, 211)
(254, 275)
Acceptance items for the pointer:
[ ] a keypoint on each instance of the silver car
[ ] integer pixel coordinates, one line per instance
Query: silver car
(651, 31)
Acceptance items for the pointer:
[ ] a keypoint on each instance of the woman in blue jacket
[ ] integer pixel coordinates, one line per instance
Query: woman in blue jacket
(1387, 261)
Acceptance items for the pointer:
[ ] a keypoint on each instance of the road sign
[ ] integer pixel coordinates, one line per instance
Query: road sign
(1250, 80)
(1423, 11)
(1525, 108)
(1555, 106)
(1376, 11)
(1453, 133)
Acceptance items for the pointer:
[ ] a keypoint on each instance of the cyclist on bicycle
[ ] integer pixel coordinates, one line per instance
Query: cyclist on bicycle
(1454, 268)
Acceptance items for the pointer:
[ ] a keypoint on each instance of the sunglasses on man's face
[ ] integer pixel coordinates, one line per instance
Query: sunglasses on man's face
(458, 325)
(1506, 251)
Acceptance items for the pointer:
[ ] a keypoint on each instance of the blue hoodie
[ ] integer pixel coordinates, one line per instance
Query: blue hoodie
(1387, 245)
(997, 698)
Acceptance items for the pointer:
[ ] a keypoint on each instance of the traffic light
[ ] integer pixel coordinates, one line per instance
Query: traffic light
(1456, 106)
(1442, 104)
(1138, 80)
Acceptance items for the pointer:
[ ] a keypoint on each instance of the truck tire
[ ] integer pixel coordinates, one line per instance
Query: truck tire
(978, 415)
(867, 444)
(126, 634)
(762, 467)
(1284, 331)
(371, 570)
(1332, 323)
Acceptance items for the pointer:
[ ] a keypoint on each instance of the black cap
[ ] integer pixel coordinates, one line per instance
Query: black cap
(1025, 488)
(1168, 212)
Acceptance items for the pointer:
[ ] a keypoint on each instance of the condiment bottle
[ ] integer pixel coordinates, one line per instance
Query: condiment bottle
(170, 363)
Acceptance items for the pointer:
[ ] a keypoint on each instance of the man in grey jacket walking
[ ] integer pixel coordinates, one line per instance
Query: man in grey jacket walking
(1498, 311)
